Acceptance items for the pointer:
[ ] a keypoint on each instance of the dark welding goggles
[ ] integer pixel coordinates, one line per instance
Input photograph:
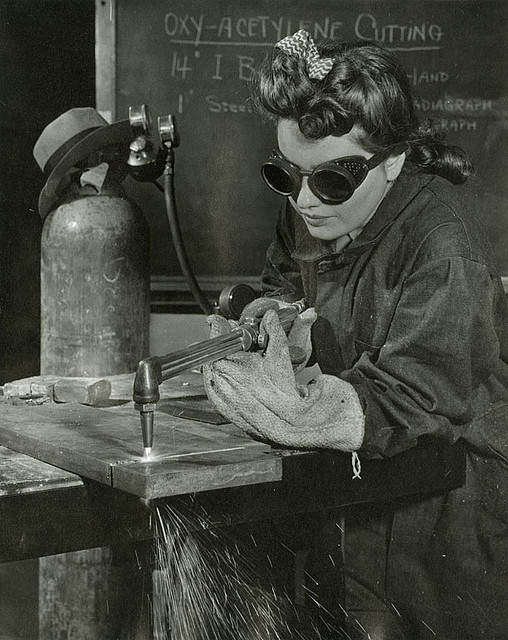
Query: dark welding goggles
(333, 182)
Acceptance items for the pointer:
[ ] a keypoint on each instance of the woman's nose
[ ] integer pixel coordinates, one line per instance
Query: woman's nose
(306, 198)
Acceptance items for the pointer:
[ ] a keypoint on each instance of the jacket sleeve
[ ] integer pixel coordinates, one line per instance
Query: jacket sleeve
(440, 359)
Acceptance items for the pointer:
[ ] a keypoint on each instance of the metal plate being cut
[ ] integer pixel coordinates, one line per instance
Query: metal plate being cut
(105, 445)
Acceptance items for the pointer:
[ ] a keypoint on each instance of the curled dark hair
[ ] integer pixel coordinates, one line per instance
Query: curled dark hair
(432, 155)
(367, 87)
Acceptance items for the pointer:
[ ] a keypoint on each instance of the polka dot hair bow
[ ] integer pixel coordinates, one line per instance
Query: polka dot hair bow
(302, 45)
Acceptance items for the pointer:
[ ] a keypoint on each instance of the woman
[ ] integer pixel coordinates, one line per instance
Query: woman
(409, 330)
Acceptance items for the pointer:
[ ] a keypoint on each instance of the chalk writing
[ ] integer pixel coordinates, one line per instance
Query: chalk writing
(246, 68)
(180, 65)
(463, 125)
(368, 28)
(470, 111)
(216, 105)
(263, 31)
(418, 78)
(256, 30)
(218, 61)
(217, 67)
(454, 105)
(200, 31)
(243, 67)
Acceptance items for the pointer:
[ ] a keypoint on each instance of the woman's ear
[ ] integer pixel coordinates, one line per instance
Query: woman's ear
(393, 166)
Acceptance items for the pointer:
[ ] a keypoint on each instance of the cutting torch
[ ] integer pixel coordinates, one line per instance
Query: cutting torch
(152, 371)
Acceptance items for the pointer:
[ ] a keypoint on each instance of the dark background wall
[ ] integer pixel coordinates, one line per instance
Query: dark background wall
(195, 59)
(47, 66)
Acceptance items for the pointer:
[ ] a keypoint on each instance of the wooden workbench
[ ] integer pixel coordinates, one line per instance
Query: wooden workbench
(72, 477)
(104, 444)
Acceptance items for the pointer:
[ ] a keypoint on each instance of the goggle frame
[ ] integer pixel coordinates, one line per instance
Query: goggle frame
(352, 175)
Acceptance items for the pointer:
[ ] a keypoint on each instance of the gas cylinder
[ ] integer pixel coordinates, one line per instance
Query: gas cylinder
(95, 285)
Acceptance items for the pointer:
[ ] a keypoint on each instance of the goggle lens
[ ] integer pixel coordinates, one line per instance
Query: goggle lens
(278, 179)
(331, 186)
(333, 182)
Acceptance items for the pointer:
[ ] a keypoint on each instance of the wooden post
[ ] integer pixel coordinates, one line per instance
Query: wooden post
(75, 600)
(90, 594)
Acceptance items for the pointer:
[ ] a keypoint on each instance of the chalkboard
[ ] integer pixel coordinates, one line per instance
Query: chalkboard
(194, 59)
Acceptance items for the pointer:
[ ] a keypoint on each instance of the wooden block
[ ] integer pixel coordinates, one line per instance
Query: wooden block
(84, 390)
(121, 385)
(30, 387)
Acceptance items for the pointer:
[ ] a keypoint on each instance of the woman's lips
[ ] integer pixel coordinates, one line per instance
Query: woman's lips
(315, 221)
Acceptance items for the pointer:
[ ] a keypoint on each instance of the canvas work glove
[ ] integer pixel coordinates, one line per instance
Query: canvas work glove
(258, 392)
(299, 336)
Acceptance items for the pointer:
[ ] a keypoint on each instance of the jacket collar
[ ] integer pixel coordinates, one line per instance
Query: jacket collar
(409, 183)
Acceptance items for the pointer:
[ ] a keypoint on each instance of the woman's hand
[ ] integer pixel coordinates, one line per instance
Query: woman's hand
(299, 336)
(258, 392)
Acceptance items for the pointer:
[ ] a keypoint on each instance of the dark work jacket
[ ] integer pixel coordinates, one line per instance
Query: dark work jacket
(413, 314)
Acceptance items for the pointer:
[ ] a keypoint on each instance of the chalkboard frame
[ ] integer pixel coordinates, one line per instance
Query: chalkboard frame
(168, 291)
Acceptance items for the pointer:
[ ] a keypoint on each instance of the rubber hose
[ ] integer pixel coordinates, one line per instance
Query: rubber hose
(176, 234)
